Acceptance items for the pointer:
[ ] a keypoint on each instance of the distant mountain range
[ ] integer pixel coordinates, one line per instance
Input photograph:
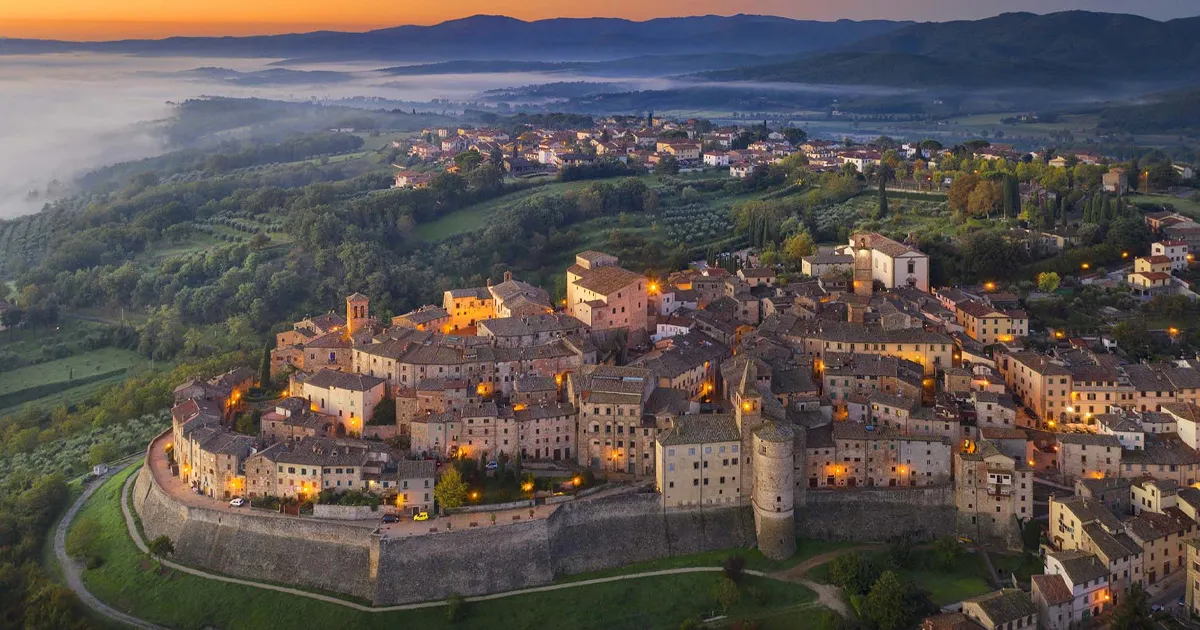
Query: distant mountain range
(1013, 49)
(1070, 49)
(486, 37)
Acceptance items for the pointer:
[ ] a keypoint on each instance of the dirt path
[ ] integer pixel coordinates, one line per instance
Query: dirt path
(828, 595)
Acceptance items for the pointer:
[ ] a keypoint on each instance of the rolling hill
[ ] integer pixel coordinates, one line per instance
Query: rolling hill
(1012, 49)
(486, 37)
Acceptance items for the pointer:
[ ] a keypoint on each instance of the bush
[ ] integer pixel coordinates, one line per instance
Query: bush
(854, 572)
(81, 542)
(725, 592)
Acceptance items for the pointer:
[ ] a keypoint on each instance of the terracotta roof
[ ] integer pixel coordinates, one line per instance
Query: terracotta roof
(1004, 606)
(607, 280)
(327, 379)
(697, 429)
(1052, 589)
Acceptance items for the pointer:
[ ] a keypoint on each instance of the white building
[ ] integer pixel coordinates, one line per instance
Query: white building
(1177, 251)
(893, 264)
(716, 159)
(1087, 580)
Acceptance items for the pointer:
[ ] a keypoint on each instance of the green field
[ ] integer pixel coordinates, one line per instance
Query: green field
(62, 370)
(1182, 205)
(967, 579)
(127, 580)
(473, 217)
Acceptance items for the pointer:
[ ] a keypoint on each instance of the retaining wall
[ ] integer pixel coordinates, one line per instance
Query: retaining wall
(351, 512)
(579, 536)
(877, 514)
(311, 553)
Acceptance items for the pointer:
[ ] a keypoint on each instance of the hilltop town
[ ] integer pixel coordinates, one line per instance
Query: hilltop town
(752, 388)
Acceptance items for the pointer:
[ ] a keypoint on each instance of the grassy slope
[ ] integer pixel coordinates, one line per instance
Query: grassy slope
(968, 579)
(128, 581)
(84, 364)
(1183, 206)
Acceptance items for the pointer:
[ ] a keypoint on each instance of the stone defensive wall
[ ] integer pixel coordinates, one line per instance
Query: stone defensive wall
(347, 558)
(579, 536)
(878, 514)
(307, 552)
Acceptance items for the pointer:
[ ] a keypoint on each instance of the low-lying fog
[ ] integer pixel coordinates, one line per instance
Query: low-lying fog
(61, 115)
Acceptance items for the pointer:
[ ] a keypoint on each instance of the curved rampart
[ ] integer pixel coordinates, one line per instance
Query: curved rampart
(580, 536)
(309, 553)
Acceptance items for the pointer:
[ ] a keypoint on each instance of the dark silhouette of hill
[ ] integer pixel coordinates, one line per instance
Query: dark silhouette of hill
(1014, 49)
(488, 37)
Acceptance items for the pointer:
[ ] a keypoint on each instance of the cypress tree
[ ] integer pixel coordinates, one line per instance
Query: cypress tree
(264, 369)
(883, 202)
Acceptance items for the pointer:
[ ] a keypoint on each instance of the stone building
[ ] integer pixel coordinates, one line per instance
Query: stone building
(304, 468)
(528, 330)
(612, 433)
(292, 419)
(348, 397)
(604, 296)
(697, 461)
(1006, 609)
(688, 363)
(853, 455)
(408, 485)
(993, 492)
(1088, 455)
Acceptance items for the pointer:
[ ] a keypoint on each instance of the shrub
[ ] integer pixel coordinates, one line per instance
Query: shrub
(725, 592)
(81, 542)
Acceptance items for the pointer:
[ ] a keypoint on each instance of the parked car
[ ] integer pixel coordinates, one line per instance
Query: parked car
(390, 518)
(492, 465)
(421, 516)
(237, 502)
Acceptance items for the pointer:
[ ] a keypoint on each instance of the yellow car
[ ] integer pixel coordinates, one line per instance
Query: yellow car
(421, 516)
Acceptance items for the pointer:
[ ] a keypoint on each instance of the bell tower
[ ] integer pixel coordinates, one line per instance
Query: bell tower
(357, 312)
(864, 281)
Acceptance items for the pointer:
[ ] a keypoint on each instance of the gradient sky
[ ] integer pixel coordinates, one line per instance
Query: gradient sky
(115, 19)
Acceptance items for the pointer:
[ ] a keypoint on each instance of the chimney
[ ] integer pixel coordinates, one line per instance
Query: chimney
(507, 276)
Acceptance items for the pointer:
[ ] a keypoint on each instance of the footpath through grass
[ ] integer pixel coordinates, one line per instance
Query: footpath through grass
(127, 580)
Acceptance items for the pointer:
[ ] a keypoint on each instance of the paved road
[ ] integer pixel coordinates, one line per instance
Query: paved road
(71, 569)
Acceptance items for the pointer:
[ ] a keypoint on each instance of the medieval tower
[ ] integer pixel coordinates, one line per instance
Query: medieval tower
(769, 466)
(357, 312)
(864, 280)
(773, 453)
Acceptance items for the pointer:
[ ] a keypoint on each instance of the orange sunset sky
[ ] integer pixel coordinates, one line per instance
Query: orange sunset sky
(115, 19)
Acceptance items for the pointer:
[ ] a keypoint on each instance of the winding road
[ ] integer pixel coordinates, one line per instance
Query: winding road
(71, 569)
(827, 595)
